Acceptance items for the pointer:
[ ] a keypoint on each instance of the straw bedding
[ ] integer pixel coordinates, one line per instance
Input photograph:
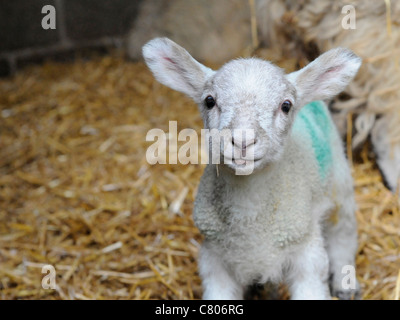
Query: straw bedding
(76, 191)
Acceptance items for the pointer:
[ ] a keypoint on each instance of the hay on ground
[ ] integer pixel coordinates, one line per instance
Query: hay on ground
(76, 191)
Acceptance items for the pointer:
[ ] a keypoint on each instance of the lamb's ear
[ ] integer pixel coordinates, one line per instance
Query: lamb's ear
(326, 76)
(174, 67)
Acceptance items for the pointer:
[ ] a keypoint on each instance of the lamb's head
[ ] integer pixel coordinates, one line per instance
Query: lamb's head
(252, 100)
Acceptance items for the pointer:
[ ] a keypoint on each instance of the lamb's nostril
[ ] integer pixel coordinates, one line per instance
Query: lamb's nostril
(246, 144)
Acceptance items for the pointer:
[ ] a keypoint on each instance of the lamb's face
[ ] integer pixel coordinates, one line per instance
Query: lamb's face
(253, 101)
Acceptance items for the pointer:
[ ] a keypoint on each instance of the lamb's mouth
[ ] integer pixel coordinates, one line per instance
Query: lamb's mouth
(244, 161)
(240, 163)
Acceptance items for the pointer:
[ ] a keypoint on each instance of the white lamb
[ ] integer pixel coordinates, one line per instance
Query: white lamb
(292, 219)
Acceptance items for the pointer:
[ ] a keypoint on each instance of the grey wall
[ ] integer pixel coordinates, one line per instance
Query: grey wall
(79, 24)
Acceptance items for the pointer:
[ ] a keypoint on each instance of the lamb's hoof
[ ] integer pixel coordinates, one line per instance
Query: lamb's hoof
(346, 294)
(268, 291)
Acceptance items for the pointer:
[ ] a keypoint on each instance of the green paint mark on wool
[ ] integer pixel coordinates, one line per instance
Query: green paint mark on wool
(314, 118)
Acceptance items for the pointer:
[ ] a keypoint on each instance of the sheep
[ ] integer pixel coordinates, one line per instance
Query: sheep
(297, 25)
(293, 218)
(200, 25)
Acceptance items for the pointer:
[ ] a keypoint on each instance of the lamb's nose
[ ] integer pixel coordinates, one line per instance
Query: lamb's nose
(243, 144)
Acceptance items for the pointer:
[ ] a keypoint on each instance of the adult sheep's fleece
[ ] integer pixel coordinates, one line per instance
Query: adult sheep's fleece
(376, 90)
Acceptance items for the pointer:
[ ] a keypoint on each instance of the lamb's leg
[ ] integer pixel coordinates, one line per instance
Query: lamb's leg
(341, 241)
(218, 284)
(308, 275)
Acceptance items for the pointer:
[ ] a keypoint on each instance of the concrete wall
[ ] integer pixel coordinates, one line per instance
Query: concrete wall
(79, 24)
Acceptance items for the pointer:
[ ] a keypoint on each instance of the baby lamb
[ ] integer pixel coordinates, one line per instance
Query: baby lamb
(292, 219)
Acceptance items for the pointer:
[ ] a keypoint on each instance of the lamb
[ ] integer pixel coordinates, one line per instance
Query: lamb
(292, 219)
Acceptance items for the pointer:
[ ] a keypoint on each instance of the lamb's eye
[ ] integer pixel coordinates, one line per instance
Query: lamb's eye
(286, 106)
(210, 102)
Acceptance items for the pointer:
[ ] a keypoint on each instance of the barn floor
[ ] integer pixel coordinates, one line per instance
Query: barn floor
(76, 191)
